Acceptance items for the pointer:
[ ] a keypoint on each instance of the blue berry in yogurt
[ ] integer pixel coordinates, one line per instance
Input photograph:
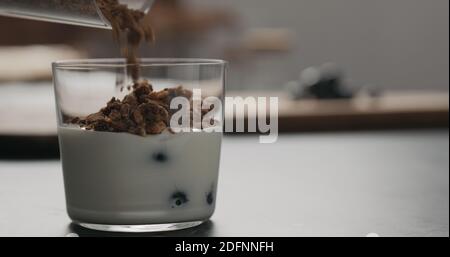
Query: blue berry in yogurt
(178, 199)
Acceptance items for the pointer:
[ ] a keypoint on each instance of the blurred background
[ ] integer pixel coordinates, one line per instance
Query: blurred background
(363, 91)
(336, 65)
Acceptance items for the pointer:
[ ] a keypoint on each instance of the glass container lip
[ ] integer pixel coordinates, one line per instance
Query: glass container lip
(143, 62)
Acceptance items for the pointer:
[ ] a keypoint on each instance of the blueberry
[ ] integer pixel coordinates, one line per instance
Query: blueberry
(178, 198)
(210, 198)
(160, 157)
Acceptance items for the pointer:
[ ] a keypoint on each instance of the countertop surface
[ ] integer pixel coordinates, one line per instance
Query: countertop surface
(392, 183)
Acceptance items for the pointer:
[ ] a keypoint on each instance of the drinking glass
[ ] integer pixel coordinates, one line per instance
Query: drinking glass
(119, 181)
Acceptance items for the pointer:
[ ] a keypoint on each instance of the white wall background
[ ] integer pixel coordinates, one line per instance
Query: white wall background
(393, 43)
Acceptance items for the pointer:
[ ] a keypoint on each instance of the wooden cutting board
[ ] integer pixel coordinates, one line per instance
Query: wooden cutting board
(401, 109)
(28, 109)
(33, 62)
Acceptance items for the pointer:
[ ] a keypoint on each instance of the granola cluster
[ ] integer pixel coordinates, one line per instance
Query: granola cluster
(142, 112)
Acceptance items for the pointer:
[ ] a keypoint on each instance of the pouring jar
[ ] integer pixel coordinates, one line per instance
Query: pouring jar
(75, 12)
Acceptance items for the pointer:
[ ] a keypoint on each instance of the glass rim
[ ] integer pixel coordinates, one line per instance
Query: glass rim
(143, 62)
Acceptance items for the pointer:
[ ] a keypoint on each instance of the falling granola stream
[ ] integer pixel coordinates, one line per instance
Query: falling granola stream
(143, 111)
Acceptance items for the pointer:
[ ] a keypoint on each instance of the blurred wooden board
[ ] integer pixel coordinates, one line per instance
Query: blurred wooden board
(27, 121)
(402, 109)
(33, 62)
(29, 110)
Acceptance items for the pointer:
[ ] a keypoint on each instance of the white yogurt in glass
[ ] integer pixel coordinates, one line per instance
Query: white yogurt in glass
(125, 179)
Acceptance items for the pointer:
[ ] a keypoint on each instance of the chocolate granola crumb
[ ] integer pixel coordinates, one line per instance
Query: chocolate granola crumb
(141, 112)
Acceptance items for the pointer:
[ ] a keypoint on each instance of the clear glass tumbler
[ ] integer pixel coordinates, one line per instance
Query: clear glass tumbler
(128, 182)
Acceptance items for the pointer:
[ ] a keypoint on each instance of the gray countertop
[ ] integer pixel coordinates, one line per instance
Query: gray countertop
(392, 183)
